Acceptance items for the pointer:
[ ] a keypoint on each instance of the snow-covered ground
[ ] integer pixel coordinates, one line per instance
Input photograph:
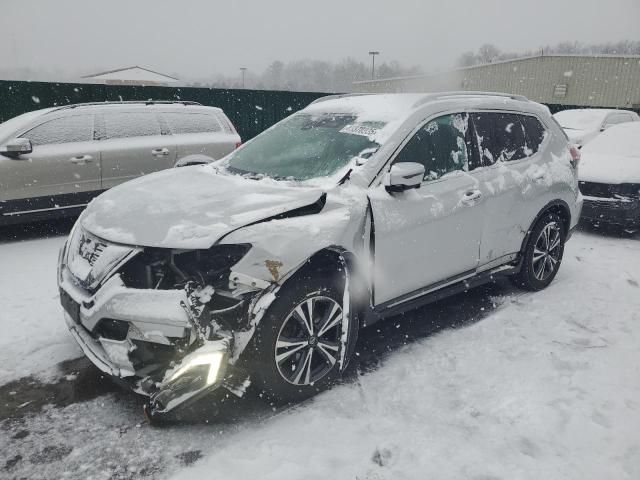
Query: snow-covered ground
(32, 338)
(542, 385)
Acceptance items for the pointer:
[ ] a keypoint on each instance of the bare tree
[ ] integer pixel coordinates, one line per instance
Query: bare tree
(488, 53)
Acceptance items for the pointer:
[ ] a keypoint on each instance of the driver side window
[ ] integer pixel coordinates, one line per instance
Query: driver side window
(440, 145)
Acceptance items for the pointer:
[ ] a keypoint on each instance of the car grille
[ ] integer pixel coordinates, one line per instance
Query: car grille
(606, 190)
(593, 189)
(90, 259)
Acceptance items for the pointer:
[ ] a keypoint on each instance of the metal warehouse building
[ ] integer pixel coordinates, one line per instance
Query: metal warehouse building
(562, 80)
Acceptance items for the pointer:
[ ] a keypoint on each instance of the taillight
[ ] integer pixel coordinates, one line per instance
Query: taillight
(575, 155)
(238, 144)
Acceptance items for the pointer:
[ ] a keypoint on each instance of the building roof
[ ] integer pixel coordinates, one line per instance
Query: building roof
(573, 80)
(134, 73)
(499, 62)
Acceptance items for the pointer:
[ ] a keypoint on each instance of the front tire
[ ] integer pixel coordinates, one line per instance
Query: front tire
(304, 340)
(543, 254)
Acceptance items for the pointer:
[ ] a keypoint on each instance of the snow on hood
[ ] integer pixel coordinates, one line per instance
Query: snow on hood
(609, 168)
(614, 156)
(189, 207)
(582, 118)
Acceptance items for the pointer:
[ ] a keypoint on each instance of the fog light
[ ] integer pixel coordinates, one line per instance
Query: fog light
(213, 360)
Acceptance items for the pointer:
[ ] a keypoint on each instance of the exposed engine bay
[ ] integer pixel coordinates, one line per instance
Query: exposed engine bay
(170, 364)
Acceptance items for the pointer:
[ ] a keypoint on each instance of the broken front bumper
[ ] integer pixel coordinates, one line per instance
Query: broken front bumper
(154, 320)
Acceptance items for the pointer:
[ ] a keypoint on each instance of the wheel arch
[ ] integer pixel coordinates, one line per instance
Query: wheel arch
(337, 260)
(559, 207)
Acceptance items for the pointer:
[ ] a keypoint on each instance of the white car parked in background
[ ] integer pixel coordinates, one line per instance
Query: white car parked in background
(584, 124)
(610, 177)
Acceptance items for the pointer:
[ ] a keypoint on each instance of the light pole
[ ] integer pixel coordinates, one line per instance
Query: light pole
(243, 69)
(373, 63)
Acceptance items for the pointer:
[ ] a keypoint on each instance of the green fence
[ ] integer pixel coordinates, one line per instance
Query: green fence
(251, 111)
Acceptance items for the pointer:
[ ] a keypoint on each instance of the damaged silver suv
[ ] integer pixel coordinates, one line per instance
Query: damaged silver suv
(262, 267)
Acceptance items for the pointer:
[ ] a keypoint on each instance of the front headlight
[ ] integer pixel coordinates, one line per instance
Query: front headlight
(211, 360)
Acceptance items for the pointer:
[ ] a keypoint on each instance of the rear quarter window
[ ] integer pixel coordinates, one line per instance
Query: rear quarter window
(535, 133)
(180, 123)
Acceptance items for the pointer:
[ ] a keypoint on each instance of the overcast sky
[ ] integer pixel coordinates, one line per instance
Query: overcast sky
(200, 38)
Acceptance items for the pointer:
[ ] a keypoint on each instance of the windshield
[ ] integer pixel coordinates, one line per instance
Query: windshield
(306, 146)
(11, 127)
(584, 119)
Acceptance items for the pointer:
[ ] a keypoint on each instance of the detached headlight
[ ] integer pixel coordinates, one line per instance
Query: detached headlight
(211, 360)
(199, 372)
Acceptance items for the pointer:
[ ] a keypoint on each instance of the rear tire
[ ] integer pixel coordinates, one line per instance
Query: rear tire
(299, 342)
(543, 254)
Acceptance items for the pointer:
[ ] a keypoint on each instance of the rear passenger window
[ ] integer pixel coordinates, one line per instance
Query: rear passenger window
(130, 124)
(191, 122)
(535, 133)
(441, 146)
(500, 136)
(76, 128)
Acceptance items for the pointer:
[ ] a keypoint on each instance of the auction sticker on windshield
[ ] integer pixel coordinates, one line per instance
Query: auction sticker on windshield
(359, 130)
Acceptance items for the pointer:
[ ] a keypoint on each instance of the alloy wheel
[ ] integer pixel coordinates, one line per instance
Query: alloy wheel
(308, 343)
(547, 251)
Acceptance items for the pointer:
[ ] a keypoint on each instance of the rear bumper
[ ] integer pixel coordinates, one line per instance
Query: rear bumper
(611, 211)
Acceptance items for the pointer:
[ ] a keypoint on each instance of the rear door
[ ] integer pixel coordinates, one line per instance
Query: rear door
(515, 175)
(431, 235)
(133, 144)
(62, 171)
(199, 132)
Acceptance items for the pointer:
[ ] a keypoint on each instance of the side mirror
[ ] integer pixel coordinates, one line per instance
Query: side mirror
(16, 147)
(404, 176)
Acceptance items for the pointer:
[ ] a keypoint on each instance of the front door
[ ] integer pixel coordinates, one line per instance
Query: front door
(431, 235)
(62, 171)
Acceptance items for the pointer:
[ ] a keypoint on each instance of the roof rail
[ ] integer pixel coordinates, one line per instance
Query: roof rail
(463, 93)
(129, 102)
(340, 95)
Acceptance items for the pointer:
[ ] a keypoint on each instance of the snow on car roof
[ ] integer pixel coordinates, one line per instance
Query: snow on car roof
(582, 118)
(622, 139)
(390, 109)
(383, 108)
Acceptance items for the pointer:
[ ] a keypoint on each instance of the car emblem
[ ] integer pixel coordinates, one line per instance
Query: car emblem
(90, 249)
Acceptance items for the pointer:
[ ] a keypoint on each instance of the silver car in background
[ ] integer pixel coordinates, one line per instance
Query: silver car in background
(55, 160)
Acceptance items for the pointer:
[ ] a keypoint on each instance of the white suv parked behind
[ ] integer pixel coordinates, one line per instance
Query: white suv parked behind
(262, 267)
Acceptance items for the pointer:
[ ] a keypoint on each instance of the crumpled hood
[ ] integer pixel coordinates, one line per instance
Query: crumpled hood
(189, 207)
(611, 169)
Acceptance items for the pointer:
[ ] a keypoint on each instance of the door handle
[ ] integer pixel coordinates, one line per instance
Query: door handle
(81, 159)
(160, 151)
(471, 197)
(539, 175)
